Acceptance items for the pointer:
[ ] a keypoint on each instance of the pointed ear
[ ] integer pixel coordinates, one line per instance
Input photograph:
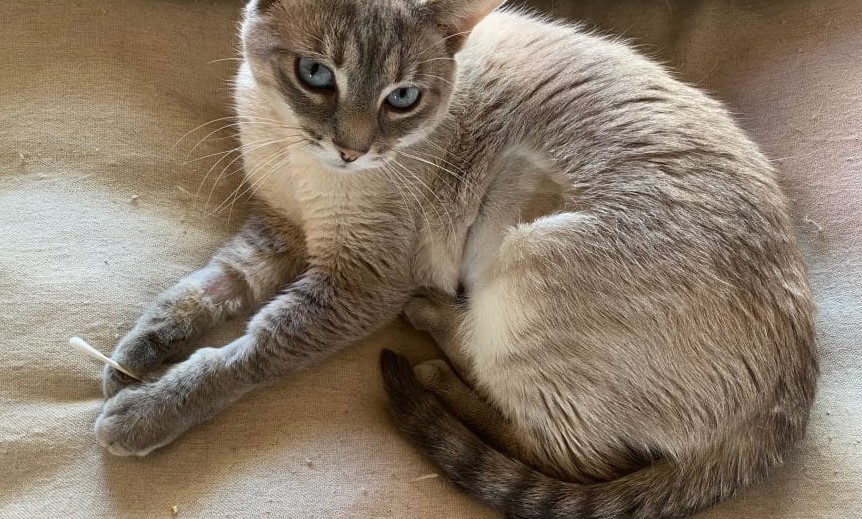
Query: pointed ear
(458, 17)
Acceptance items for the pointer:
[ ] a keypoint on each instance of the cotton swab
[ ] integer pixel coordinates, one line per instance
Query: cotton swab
(82, 346)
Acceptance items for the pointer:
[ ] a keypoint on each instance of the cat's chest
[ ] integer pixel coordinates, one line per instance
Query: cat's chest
(438, 260)
(339, 214)
(299, 189)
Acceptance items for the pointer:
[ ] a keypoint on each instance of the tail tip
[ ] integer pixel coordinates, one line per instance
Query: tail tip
(396, 370)
(388, 358)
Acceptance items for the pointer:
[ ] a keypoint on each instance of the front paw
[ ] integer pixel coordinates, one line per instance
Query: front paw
(142, 418)
(141, 351)
(114, 381)
(139, 420)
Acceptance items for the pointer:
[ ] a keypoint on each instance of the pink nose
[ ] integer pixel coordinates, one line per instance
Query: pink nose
(348, 155)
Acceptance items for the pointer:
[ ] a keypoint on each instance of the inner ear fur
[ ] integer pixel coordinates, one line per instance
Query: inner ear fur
(457, 18)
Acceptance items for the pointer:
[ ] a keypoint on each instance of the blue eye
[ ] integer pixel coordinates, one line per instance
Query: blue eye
(315, 74)
(403, 98)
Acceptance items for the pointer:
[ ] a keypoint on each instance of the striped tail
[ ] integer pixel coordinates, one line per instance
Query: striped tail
(665, 489)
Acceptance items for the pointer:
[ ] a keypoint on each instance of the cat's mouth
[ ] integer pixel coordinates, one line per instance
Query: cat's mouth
(333, 160)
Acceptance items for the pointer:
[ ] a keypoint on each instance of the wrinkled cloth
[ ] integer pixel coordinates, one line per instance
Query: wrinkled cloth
(111, 189)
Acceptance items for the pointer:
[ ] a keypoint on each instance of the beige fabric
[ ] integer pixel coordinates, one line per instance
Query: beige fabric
(95, 98)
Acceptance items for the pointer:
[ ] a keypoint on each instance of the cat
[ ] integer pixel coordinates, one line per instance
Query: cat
(604, 257)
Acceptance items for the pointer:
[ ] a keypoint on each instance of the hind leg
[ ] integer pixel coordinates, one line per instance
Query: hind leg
(467, 405)
(440, 316)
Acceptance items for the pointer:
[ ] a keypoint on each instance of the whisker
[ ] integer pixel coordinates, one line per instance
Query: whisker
(274, 158)
(255, 185)
(456, 34)
(196, 128)
(238, 123)
(242, 150)
(437, 77)
(397, 183)
(430, 156)
(435, 59)
(240, 168)
(422, 184)
(234, 117)
(225, 152)
(464, 181)
(465, 177)
(401, 179)
(442, 42)
(224, 59)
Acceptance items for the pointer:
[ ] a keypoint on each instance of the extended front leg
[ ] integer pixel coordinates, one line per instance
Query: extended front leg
(260, 259)
(318, 314)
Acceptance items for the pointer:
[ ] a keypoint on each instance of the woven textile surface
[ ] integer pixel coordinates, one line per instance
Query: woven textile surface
(108, 194)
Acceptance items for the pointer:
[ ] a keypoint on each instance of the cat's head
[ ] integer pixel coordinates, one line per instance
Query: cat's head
(360, 79)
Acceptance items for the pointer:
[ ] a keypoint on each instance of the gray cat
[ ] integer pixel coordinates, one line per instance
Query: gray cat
(633, 334)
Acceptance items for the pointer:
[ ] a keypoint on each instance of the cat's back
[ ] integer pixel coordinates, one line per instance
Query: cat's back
(512, 49)
(621, 129)
(676, 186)
(589, 95)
